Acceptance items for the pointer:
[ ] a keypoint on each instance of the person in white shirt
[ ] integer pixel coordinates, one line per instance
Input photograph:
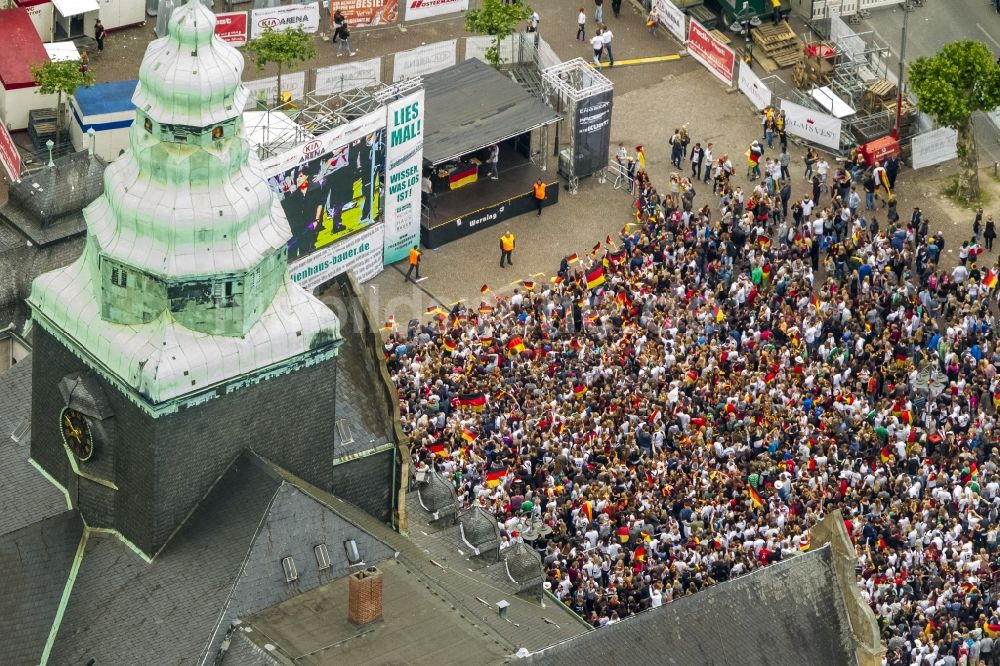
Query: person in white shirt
(597, 43)
(822, 167)
(581, 25)
(607, 37)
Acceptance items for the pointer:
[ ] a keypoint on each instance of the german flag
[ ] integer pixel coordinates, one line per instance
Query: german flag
(595, 277)
(616, 257)
(485, 289)
(486, 341)
(436, 311)
(485, 308)
(640, 554)
(804, 542)
(495, 477)
(588, 510)
(623, 535)
(529, 285)
(515, 345)
(476, 401)
(573, 258)
(990, 629)
(763, 240)
(389, 324)
(462, 178)
(449, 345)
(597, 248)
(758, 501)
(608, 240)
(815, 302)
(556, 279)
(469, 435)
(991, 279)
(655, 416)
(579, 390)
(438, 450)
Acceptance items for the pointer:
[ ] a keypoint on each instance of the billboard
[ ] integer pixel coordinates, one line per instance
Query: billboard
(331, 186)
(404, 161)
(287, 17)
(593, 133)
(349, 76)
(366, 13)
(9, 155)
(751, 86)
(710, 52)
(671, 18)
(361, 253)
(421, 9)
(815, 126)
(423, 60)
(232, 27)
(934, 147)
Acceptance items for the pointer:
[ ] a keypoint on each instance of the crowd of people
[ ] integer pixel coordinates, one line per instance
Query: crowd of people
(683, 402)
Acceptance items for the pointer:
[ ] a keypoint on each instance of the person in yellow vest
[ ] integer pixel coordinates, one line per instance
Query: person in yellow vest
(539, 194)
(776, 4)
(506, 247)
(414, 264)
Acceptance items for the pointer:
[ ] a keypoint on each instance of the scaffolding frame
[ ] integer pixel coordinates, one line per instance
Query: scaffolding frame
(564, 87)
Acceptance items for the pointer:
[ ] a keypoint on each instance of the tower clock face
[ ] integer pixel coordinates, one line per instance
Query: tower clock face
(77, 434)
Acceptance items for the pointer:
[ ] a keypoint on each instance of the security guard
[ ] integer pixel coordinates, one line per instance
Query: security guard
(414, 263)
(776, 4)
(539, 194)
(506, 247)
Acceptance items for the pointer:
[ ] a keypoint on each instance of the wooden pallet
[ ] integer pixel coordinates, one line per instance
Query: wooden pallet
(718, 34)
(779, 43)
(769, 34)
(881, 89)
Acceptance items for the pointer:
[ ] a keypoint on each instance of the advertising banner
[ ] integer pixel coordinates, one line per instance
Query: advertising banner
(9, 155)
(366, 13)
(404, 161)
(934, 147)
(751, 86)
(361, 253)
(421, 9)
(810, 125)
(331, 186)
(593, 133)
(287, 17)
(266, 90)
(232, 27)
(710, 52)
(510, 48)
(672, 19)
(423, 60)
(349, 76)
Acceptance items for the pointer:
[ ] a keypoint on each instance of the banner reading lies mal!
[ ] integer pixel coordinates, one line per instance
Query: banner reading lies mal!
(403, 163)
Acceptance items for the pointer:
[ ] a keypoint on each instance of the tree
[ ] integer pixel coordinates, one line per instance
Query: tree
(959, 80)
(61, 78)
(282, 48)
(497, 19)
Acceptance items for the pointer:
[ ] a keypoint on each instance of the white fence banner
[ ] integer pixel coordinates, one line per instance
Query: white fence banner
(423, 60)
(671, 18)
(403, 163)
(287, 17)
(511, 50)
(421, 9)
(267, 89)
(349, 76)
(875, 4)
(815, 126)
(360, 252)
(751, 86)
(934, 147)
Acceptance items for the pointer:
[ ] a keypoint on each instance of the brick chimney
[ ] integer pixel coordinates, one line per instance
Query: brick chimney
(364, 596)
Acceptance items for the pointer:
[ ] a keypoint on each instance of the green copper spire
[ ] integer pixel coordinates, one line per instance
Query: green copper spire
(183, 282)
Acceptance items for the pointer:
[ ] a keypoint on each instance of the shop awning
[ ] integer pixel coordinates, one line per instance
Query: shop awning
(471, 105)
(76, 7)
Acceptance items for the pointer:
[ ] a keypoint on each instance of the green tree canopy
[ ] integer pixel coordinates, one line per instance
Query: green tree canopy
(60, 78)
(281, 48)
(497, 19)
(950, 86)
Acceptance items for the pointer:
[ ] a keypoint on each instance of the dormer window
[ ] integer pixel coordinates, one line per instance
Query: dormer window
(119, 277)
(217, 133)
(148, 125)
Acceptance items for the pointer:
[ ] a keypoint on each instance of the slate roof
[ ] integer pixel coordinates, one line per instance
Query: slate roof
(788, 613)
(47, 205)
(35, 562)
(225, 562)
(26, 496)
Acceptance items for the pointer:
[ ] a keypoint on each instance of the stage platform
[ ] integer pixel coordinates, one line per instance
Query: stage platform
(485, 203)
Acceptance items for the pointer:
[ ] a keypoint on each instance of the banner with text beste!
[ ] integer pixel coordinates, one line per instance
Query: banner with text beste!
(710, 52)
(232, 27)
(815, 126)
(403, 164)
(365, 13)
(284, 18)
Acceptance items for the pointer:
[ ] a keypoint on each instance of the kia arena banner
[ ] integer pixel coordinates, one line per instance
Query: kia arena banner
(751, 86)
(366, 13)
(710, 52)
(232, 27)
(672, 19)
(423, 60)
(815, 126)
(404, 161)
(331, 186)
(361, 253)
(287, 17)
(421, 9)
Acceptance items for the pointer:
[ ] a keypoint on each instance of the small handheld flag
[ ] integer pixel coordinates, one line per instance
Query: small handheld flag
(595, 277)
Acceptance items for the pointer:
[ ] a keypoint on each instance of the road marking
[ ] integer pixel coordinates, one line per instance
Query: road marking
(641, 61)
(988, 35)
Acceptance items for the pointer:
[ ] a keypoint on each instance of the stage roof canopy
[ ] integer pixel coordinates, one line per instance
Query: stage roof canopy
(471, 105)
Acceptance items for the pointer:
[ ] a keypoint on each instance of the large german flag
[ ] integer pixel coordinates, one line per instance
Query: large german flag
(495, 477)
(476, 401)
(438, 450)
(462, 178)
(469, 435)
(515, 345)
(758, 501)
(595, 277)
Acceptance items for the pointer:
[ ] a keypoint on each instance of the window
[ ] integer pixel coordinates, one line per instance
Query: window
(322, 556)
(217, 133)
(180, 138)
(344, 431)
(148, 125)
(119, 277)
(288, 566)
(229, 289)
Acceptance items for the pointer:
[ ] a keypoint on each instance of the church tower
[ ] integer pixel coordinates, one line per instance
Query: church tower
(177, 339)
